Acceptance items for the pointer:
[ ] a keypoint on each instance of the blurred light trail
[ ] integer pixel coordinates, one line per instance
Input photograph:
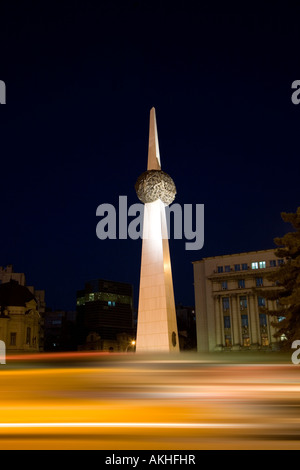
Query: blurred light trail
(96, 401)
(123, 425)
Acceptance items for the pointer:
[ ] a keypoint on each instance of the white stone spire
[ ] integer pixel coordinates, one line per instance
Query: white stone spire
(157, 325)
(153, 151)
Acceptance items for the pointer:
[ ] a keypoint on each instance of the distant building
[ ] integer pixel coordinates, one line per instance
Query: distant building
(186, 324)
(105, 316)
(19, 318)
(7, 274)
(229, 296)
(60, 330)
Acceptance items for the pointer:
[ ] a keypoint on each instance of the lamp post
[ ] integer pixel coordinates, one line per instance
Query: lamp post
(132, 343)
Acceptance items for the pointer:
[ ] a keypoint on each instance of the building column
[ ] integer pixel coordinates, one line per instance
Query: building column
(218, 321)
(236, 340)
(247, 330)
(253, 322)
(222, 323)
(239, 321)
(257, 321)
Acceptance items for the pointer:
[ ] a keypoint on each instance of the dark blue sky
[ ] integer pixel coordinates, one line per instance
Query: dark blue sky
(81, 78)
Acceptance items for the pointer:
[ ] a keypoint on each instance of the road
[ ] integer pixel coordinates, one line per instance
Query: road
(98, 401)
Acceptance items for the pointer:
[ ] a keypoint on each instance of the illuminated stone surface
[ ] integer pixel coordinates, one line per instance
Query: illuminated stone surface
(157, 325)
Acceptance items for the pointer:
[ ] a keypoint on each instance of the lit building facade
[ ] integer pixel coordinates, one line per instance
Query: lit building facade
(229, 301)
(19, 318)
(7, 274)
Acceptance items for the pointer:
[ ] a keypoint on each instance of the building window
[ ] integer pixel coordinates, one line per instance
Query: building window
(227, 322)
(220, 269)
(237, 267)
(227, 269)
(263, 319)
(244, 266)
(280, 262)
(13, 339)
(245, 330)
(225, 302)
(91, 297)
(241, 283)
(224, 285)
(262, 264)
(273, 263)
(228, 342)
(259, 281)
(243, 302)
(261, 301)
(264, 340)
(81, 301)
(254, 265)
(28, 335)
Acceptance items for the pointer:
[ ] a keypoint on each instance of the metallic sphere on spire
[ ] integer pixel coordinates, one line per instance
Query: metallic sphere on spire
(153, 185)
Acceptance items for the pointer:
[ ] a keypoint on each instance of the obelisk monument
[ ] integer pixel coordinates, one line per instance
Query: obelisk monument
(157, 325)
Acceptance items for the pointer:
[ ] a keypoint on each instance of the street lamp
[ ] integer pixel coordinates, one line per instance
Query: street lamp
(131, 344)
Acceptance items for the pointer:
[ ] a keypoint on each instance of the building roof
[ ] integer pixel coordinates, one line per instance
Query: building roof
(235, 254)
(12, 294)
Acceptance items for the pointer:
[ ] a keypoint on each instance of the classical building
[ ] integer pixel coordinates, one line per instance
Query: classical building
(229, 300)
(105, 316)
(19, 318)
(7, 274)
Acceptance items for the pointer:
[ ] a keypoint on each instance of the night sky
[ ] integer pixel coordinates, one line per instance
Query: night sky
(81, 79)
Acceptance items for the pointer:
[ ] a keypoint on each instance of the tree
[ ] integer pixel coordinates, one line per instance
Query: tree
(286, 279)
